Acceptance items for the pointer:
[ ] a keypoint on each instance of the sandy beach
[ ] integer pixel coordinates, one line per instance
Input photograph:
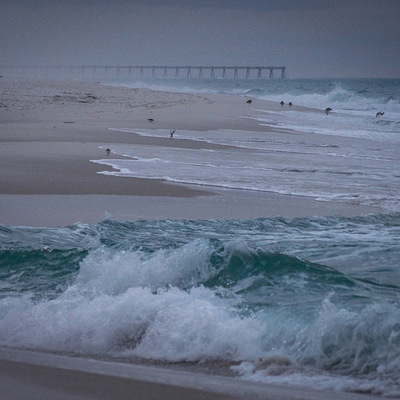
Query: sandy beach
(49, 134)
(61, 377)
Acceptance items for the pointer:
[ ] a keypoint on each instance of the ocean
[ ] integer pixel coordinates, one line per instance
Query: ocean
(309, 302)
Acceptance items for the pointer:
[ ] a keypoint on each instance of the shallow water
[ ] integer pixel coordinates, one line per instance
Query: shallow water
(347, 156)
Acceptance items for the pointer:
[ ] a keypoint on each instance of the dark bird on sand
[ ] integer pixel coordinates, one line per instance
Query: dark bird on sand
(290, 104)
(282, 103)
(171, 134)
(248, 101)
(150, 119)
(328, 110)
(108, 151)
(379, 114)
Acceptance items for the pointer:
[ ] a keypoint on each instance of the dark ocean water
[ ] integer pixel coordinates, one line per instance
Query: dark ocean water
(316, 299)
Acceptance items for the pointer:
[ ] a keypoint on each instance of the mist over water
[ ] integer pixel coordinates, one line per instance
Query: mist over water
(310, 37)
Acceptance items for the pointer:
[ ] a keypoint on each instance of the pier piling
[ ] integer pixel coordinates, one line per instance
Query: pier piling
(143, 71)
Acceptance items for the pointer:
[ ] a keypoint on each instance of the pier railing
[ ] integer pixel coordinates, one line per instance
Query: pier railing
(143, 71)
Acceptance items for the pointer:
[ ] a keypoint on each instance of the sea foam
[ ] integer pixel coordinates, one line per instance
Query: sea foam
(275, 299)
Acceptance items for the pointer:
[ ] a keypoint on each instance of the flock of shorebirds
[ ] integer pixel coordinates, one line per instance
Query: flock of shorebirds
(282, 103)
(327, 110)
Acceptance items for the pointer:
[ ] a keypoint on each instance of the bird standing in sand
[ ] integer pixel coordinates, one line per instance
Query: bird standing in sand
(328, 110)
(248, 101)
(282, 103)
(379, 114)
(171, 134)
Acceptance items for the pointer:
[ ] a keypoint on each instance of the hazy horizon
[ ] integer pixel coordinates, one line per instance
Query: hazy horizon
(313, 39)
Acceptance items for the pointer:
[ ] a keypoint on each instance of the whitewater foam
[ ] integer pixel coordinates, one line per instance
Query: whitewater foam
(346, 156)
(309, 297)
(352, 169)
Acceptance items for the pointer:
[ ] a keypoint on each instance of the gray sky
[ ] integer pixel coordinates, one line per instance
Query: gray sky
(312, 38)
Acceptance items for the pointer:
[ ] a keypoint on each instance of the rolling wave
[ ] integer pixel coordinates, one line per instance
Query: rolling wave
(306, 300)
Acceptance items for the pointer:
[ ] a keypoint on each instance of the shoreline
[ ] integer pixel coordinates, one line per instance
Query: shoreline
(66, 377)
(52, 133)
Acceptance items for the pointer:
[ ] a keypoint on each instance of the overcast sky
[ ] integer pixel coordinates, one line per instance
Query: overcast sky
(312, 38)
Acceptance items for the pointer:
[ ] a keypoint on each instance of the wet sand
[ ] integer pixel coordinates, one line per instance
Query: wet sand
(26, 375)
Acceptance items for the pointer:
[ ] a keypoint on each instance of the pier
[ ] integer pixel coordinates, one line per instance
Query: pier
(146, 71)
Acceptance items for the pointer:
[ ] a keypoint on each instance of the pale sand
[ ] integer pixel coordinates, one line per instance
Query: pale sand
(62, 210)
(26, 375)
(49, 132)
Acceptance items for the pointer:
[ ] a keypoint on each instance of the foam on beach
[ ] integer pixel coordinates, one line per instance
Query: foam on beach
(298, 164)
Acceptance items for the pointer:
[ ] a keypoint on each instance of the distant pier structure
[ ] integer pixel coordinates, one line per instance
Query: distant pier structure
(146, 71)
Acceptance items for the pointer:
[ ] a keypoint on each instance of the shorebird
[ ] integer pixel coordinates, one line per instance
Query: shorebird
(379, 114)
(248, 101)
(171, 134)
(150, 119)
(290, 104)
(108, 151)
(282, 103)
(328, 110)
